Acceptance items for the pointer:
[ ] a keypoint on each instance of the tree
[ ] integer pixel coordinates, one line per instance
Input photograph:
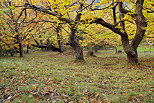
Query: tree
(71, 12)
(14, 28)
(140, 23)
(47, 36)
(63, 9)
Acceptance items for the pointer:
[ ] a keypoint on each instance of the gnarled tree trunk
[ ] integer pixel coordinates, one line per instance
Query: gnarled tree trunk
(73, 39)
(131, 49)
(132, 57)
(74, 43)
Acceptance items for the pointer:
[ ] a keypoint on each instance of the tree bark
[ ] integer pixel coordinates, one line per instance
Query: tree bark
(114, 14)
(132, 57)
(73, 39)
(74, 43)
(27, 51)
(60, 44)
(131, 49)
(141, 23)
(1, 51)
(121, 16)
(20, 45)
(20, 49)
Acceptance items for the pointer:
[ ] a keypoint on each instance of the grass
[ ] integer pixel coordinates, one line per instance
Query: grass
(52, 77)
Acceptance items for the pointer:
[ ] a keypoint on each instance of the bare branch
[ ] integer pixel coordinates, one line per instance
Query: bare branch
(122, 21)
(24, 10)
(109, 26)
(88, 5)
(113, 4)
(67, 20)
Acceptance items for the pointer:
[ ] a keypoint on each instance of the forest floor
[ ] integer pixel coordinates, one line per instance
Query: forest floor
(51, 77)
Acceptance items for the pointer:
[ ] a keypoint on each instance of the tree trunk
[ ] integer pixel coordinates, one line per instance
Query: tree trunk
(20, 45)
(131, 49)
(121, 16)
(74, 43)
(78, 52)
(20, 50)
(27, 51)
(141, 23)
(132, 57)
(2, 51)
(60, 44)
(114, 15)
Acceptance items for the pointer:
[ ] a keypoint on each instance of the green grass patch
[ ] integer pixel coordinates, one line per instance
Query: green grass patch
(52, 77)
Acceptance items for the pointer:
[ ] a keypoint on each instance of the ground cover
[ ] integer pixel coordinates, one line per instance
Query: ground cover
(55, 77)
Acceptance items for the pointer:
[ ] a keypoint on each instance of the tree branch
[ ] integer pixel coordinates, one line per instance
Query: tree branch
(114, 4)
(30, 6)
(122, 21)
(89, 5)
(109, 26)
